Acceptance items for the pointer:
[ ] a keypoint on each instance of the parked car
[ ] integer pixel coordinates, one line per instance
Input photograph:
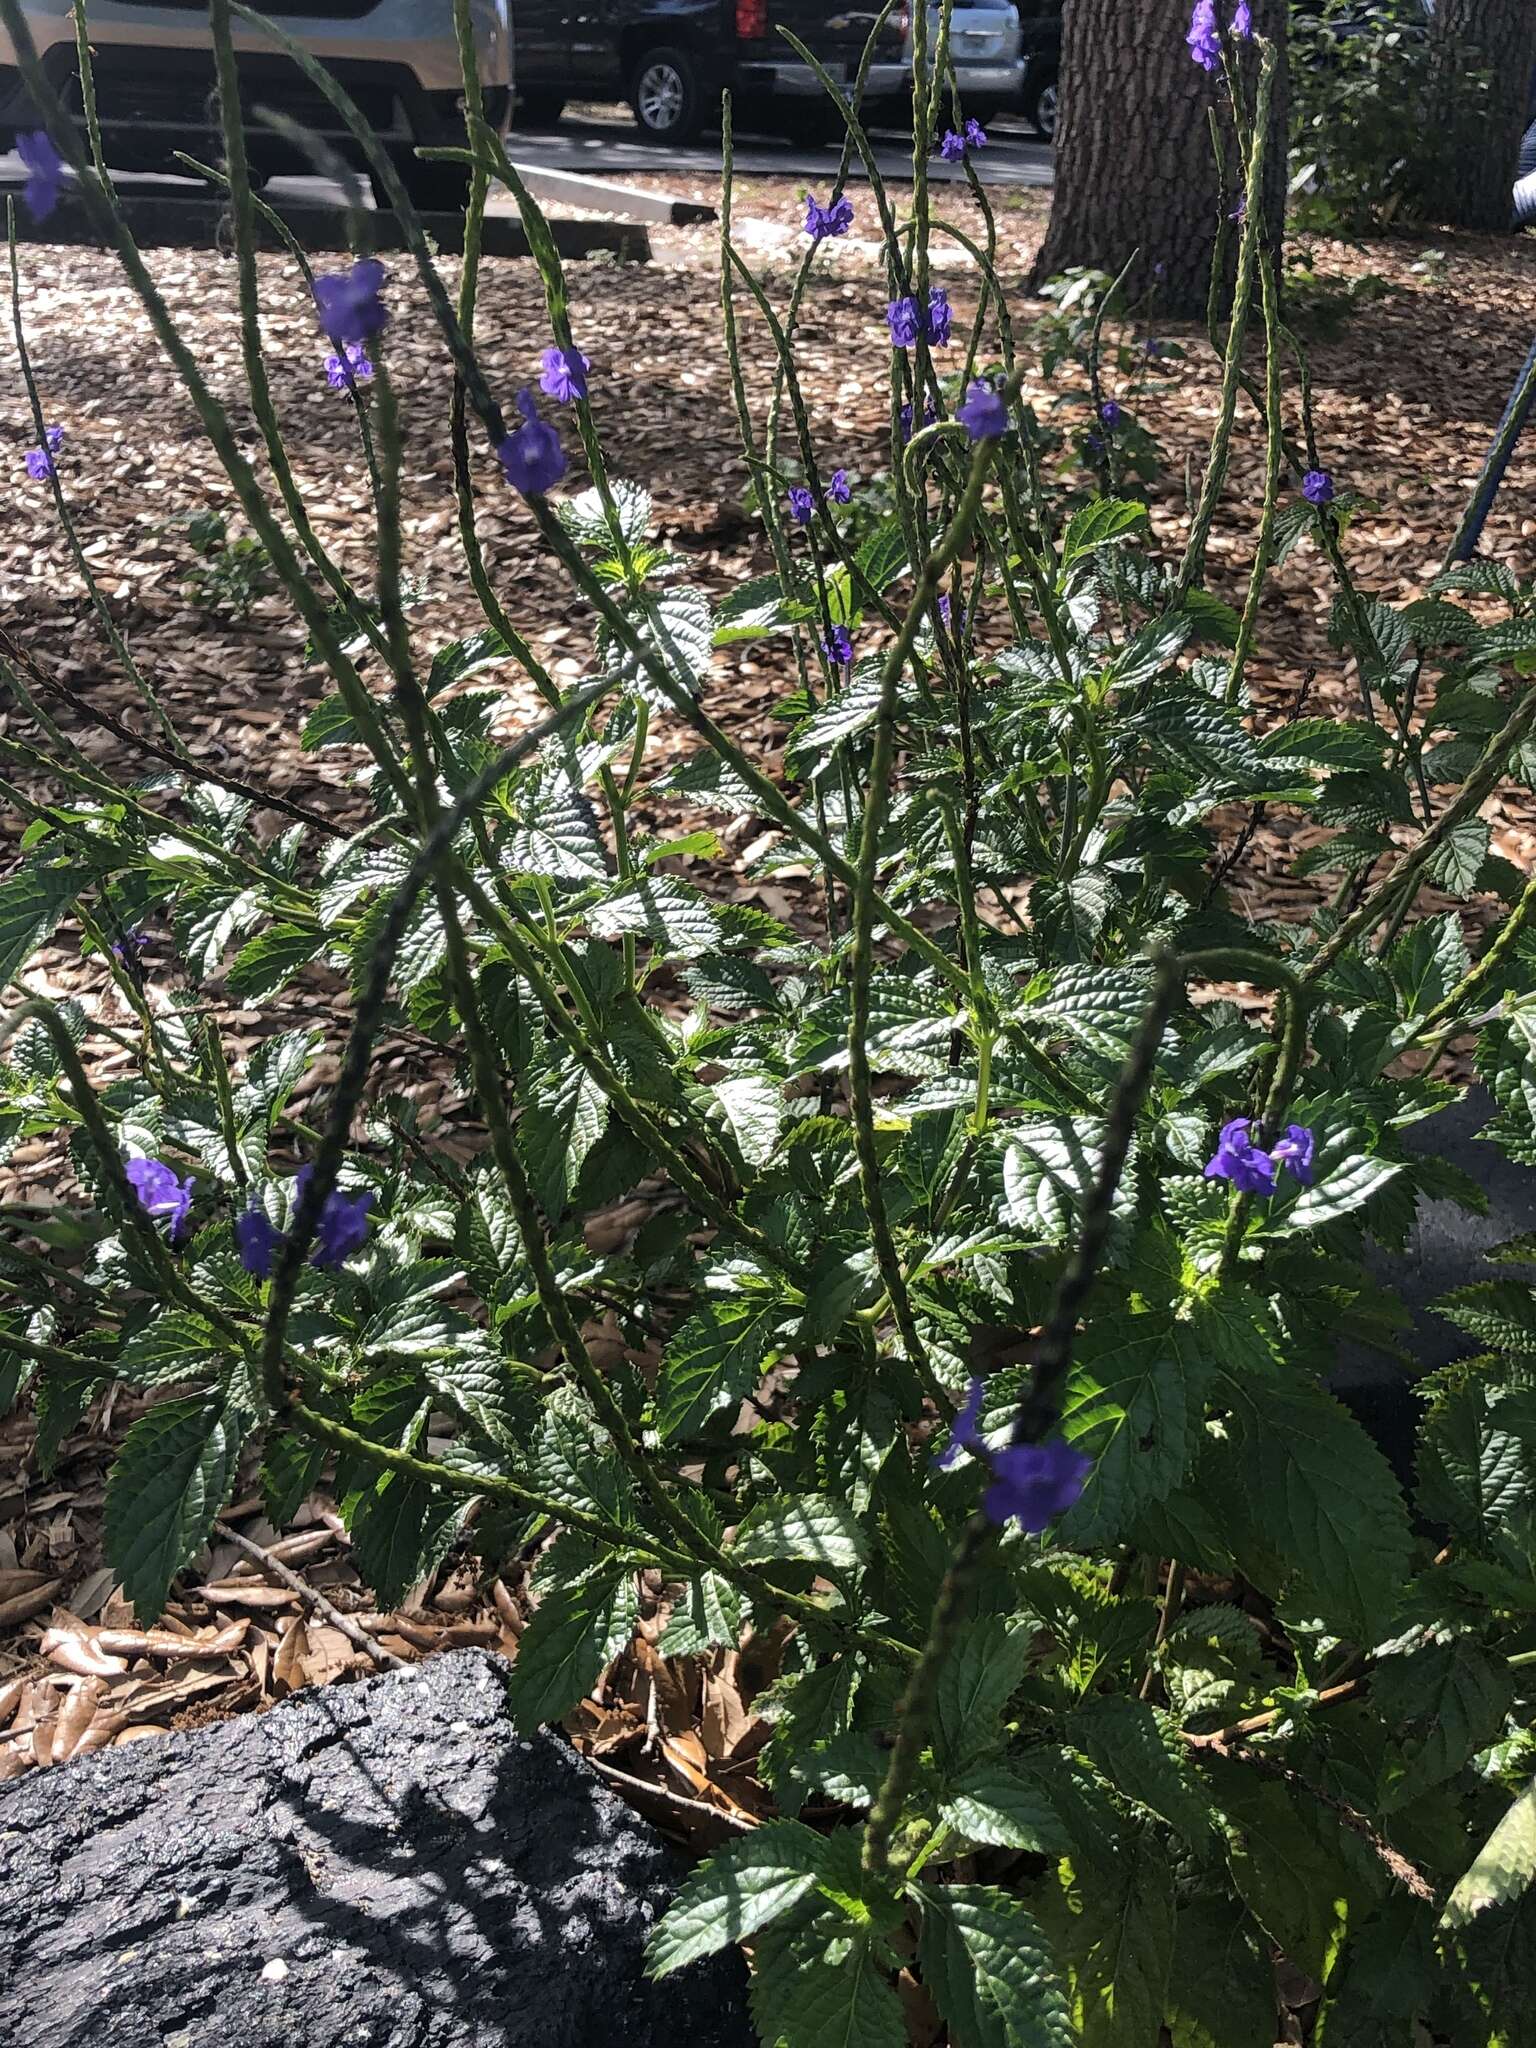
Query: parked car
(986, 45)
(153, 67)
(1040, 31)
(671, 59)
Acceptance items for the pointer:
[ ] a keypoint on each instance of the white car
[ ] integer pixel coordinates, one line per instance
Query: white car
(986, 43)
(153, 67)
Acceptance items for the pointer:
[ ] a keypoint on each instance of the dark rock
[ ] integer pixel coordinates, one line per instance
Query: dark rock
(1444, 1251)
(383, 1865)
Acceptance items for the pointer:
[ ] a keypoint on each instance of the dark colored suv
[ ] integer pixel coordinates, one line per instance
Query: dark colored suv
(671, 58)
(1040, 21)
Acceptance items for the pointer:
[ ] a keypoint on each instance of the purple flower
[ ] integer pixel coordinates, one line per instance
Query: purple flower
(1239, 212)
(901, 318)
(1111, 414)
(349, 304)
(132, 941)
(1238, 1159)
(564, 375)
(160, 1193)
(963, 1433)
(350, 367)
(952, 148)
(1204, 38)
(1153, 349)
(40, 465)
(1296, 1150)
(1093, 444)
(945, 607)
(821, 222)
(929, 416)
(342, 1225)
(839, 490)
(1242, 20)
(45, 173)
(837, 646)
(532, 457)
(939, 315)
(975, 134)
(984, 414)
(258, 1239)
(801, 504)
(1317, 487)
(1033, 1483)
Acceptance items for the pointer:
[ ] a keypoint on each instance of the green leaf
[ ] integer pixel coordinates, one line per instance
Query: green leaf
(1458, 860)
(474, 1377)
(808, 1530)
(883, 556)
(1140, 1753)
(1281, 1869)
(32, 902)
(402, 1531)
(585, 518)
(708, 1615)
(172, 1476)
(815, 1986)
(1474, 1473)
(717, 1356)
(975, 1683)
(996, 1805)
(1500, 1314)
(988, 1968)
(288, 1473)
(1312, 1500)
(740, 1890)
(1339, 1189)
(270, 961)
(1098, 523)
(1501, 1870)
(574, 1632)
(1135, 1404)
(461, 659)
(1443, 1703)
(1049, 1169)
(674, 918)
(1122, 1981)
(1222, 1987)
(177, 1345)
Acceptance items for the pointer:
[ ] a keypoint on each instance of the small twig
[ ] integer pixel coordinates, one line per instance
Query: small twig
(280, 1575)
(677, 1801)
(1407, 1874)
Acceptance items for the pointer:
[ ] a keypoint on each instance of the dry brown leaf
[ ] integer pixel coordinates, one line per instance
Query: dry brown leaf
(80, 1654)
(22, 1606)
(77, 1711)
(288, 1664)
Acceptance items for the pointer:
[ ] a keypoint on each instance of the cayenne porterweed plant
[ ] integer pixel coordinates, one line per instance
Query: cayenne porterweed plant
(1002, 1263)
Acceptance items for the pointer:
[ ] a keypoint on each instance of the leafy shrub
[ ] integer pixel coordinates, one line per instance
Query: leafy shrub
(1359, 94)
(230, 575)
(1113, 1643)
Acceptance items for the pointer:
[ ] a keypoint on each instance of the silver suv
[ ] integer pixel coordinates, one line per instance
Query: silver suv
(153, 66)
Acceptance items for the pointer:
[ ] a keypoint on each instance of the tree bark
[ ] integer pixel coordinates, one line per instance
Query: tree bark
(1481, 53)
(1136, 174)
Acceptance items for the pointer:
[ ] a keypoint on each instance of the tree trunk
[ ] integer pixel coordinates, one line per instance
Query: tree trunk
(1481, 55)
(1136, 175)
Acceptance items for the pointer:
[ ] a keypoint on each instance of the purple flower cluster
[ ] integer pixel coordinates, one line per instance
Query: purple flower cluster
(823, 223)
(953, 146)
(161, 1195)
(563, 376)
(1204, 38)
(351, 366)
(1111, 414)
(39, 461)
(1250, 1168)
(340, 1230)
(837, 646)
(929, 417)
(984, 414)
(802, 499)
(531, 457)
(1317, 487)
(1031, 1483)
(45, 173)
(905, 323)
(349, 304)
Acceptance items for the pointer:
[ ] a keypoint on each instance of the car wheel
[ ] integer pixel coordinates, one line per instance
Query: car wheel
(538, 109)
(664, 93)
(1044, 109)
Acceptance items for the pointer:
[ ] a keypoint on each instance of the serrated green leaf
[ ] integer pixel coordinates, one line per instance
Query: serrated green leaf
(1222, 1987)
(400, 1532)
(269, 962)
(1140, 1754)
(1122, 1980)
(717, 1356)
(707, 1616)
(809, 1529)
(1501, 1870)
(177, 1345)
(673, 917)
(1443, 1703)
(32, 902)
(574, 1632)
(1098, 523)
(172, 1476)
(988, 1968)
(743, 1888)
(975, 1682)
(1005, 1809)
(822, 1984)
(1049, 1169)
(1135, 1404)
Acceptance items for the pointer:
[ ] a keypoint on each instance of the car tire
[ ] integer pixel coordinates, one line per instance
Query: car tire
(664, 92)
(1043, 110)
(538, 109)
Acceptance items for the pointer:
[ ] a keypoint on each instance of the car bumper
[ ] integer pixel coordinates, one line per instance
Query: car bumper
(1000, 84)
(799, 81)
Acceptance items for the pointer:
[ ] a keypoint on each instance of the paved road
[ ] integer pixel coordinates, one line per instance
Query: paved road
(604, 145)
